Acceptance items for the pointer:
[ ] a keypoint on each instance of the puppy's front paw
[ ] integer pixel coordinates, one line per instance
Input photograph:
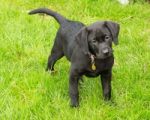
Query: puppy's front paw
(75, 104)
(74, 101)
(107, 97)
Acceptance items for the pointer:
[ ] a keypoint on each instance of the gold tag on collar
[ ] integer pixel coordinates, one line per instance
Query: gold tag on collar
(93, 66)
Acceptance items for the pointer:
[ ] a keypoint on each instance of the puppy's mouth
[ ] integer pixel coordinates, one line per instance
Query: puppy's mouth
(103, 56)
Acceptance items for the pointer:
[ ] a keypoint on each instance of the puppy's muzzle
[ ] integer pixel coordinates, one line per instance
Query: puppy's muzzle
(105, 51)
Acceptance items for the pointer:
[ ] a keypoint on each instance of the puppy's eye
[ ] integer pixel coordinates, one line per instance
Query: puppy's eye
(107, 37)
(94, 41)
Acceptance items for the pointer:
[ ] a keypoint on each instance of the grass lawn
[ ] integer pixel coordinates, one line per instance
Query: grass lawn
(27, 92)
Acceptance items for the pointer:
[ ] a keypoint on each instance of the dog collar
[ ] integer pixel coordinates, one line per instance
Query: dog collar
(93, 66)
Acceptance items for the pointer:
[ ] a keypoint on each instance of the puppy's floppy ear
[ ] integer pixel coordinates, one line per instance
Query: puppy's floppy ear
(114, 30)
(81, 39)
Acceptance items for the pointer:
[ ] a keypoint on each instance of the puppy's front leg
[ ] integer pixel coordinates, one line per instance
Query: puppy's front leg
(73, 88)
(106, 84)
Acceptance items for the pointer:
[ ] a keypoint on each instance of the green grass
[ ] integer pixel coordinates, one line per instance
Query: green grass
(28, 92)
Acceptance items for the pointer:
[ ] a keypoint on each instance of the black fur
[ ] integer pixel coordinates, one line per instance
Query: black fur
(78, 43)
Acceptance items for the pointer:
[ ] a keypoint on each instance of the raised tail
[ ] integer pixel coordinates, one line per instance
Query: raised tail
(59, 18)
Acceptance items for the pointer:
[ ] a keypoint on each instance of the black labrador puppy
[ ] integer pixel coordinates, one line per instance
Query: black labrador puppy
(88, 48)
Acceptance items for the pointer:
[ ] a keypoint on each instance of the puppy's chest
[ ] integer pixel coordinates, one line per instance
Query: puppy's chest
(94, 69)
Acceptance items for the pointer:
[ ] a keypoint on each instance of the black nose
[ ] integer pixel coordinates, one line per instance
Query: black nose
(105, 51)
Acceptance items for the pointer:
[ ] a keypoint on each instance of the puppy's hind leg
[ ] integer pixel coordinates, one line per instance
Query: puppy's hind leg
(52, 60)
(55, 55)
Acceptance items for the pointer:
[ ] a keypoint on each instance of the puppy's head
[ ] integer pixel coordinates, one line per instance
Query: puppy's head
(97, 38)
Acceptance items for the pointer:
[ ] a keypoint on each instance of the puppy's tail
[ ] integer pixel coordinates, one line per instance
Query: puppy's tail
(59, 18)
